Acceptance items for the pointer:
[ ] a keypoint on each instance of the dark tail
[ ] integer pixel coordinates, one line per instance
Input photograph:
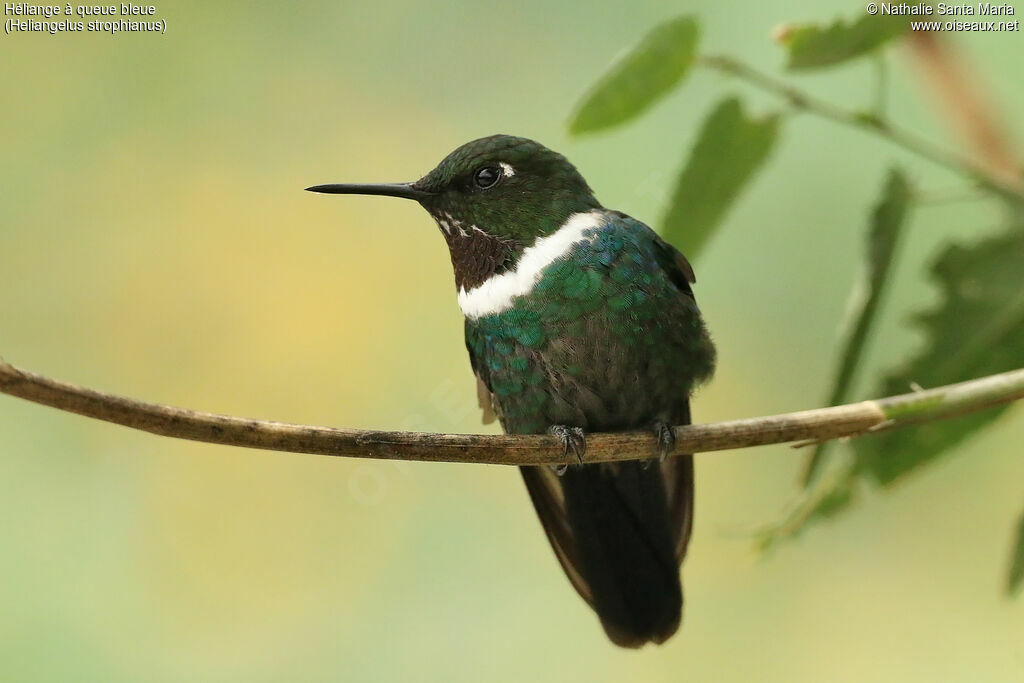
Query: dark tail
(625, 544)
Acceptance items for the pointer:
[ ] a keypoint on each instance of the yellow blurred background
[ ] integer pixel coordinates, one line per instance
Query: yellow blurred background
(155, 241)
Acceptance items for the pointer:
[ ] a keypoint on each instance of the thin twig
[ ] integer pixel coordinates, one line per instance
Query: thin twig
(823, 423)
(870, 122)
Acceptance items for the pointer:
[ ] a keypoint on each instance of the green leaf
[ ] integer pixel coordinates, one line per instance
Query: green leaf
(887, 221)
(811, 46)
(1015, 577)
(976, 330)
(824, 502)
(730, 148)
(643, 76)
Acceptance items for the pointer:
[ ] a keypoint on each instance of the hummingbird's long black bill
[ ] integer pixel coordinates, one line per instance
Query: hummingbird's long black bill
(403, 190)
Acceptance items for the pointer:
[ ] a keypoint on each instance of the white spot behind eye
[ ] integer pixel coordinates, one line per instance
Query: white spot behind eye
(506, 169)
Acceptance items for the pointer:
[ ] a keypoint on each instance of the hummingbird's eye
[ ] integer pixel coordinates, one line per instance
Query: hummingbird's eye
(487, 177)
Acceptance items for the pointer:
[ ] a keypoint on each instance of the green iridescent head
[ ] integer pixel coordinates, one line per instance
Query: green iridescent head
(508, 187)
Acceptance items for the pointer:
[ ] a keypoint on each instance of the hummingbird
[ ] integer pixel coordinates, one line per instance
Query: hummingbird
(578, 319)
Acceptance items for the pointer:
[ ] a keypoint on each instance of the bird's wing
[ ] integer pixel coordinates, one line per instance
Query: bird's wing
(671, 260)
(677, 472)
(549, 501)
(679, 270)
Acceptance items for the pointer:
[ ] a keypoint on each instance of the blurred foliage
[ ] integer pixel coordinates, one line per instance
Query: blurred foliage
(1015, 577)
(730, 148)
(812, 46)
(887, 223)
(977, 329)
(641, 78)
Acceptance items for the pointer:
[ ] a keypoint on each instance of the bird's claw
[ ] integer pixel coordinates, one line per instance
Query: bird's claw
(573, 439)
(666, 437)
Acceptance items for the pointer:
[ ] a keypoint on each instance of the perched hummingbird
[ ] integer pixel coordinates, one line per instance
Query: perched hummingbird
(578, 319)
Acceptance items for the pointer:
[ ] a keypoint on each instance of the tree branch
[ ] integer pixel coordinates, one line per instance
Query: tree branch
(809, 425)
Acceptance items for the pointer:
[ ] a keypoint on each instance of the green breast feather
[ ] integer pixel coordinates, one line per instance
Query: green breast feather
(610, 337)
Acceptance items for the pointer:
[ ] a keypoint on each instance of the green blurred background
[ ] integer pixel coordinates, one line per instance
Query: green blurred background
(155, 242)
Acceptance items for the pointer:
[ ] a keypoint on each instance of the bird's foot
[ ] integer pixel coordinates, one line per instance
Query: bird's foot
(666, 437)
(573, 439)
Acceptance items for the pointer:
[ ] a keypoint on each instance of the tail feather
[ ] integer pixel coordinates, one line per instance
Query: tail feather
(620, 523)
(620, 531)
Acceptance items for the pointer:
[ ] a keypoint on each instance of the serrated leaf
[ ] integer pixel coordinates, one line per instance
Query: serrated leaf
(811, 46)
(887, 221)
(641, 78)
(1015, 577)
(977, 330)
(730, 148)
